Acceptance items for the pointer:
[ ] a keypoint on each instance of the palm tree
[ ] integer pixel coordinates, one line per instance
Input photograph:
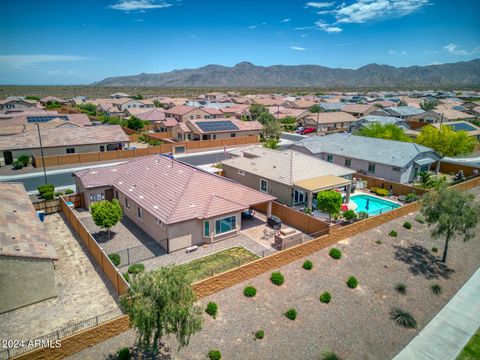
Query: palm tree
(426, 179)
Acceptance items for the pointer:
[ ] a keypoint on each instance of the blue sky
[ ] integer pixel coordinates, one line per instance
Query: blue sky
(78, 42)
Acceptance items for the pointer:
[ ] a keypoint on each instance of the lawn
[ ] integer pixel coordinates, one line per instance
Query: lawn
(471, 351)
(218, 262)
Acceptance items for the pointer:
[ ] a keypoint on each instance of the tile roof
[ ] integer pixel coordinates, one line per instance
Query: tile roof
(285, 167)
(152, 115)
(180, 109)
(332, 105)
(403, 110)
(21, 232)
(63, 136)
(357, 108)
(173, 191)
(211, 111)
(20, 124)
(332, 117)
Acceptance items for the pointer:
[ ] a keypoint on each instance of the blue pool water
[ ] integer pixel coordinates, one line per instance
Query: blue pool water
(376, 206)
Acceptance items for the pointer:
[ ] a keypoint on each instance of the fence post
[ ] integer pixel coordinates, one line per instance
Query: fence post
(128, 256)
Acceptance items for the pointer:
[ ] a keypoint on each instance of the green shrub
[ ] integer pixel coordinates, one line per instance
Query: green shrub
(329, 355)
(420, 219)
(17, 165)
(307, 265)
(352, 282)
(380, 191)
(277, 278)
(249, 291)
(403, 318)
(69, 191)
(407, 225)
(409, 198)
(260, 334)
(115, 258)
(136, 269)
(362, 215)
(58, 193)
(48, 195)
(215, 354)
(291, 314)
(393, 233)
(124, 354)
(24, 159)
(335, 253)
(436, 289)
(212, 309)
(45, 188)
(434, 249)
(126, 277)
(350, 215)
(325, 297)
(401, 288)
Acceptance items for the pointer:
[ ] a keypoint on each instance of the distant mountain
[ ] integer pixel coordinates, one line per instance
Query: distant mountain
(246, 74)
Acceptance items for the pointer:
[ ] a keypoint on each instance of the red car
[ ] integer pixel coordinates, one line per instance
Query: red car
(307, 131)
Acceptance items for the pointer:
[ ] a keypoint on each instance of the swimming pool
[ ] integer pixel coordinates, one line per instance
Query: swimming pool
(373, 205)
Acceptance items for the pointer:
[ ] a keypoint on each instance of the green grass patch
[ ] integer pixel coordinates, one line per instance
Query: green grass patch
(218, 262)
(471, 351)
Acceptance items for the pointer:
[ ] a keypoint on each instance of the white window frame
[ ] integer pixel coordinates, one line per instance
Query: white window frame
(266, 182)
(226, 232)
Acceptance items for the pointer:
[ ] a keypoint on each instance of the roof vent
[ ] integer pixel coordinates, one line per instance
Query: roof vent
(155, 206)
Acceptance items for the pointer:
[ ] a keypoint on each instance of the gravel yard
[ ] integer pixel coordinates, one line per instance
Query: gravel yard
(355, 324)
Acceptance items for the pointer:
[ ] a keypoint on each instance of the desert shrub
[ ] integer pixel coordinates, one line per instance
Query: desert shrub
(335, 253)
(420, 219)
(115, 258)
(307, 265)
(291, 314)
(17, 165)
(403, 318)
(260, 334)
(434, 249)
(212, 309)
(393, 233)
(325, 297)
(249, 291)
(436, 289)
(136, 269)
(329, 355)
(44, 188)
(407, 225)
(48, 195)
(401, 288)
(352, 282)
(24, 159)
(58, 193)
(350, 215)
(362, 215)
(378, 241)
(215, 354)
(69, 191)
(277, 278)
(124, 354)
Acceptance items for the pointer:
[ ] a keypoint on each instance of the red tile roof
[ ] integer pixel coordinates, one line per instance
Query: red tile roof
(180, 109)
(152, 115)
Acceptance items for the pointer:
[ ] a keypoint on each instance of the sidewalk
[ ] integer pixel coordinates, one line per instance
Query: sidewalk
(445, 336)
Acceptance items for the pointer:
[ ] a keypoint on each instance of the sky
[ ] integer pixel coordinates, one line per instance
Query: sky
(79, 42)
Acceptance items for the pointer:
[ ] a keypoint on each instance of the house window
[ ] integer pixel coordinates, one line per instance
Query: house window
(159, 223)
(214, 136)
(298, 197)
(348, 162)
(127, 204)
(263, 185)
(116, 194)
(225, 225)
(396, 169)
(329, 158)
(70, 150)
(206, 228)
(371, 167)
(102, 147)
(233, 135)
(140, 213)
(241, 172)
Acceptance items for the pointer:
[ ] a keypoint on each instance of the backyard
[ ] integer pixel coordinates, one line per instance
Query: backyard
(393, 272)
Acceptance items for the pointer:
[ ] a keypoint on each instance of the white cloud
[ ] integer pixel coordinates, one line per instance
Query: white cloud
(456, 50)
(319, 5)
(304, 28)
(251, 27)
(298, 48)
(28, 60)
(329, 28)
(139, 5)
(392, 52)
(364, 10)
(286, 20)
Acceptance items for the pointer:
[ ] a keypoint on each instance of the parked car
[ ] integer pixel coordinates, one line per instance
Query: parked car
(299, 129)
(307, 131)
(274, 222)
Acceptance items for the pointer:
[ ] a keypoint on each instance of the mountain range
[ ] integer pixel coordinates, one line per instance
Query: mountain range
(245, 74)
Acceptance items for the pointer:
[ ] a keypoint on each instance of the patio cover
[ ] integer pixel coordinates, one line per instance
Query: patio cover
(426, 161)
(321, 183)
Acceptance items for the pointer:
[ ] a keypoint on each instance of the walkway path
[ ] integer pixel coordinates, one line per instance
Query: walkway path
(448, 332)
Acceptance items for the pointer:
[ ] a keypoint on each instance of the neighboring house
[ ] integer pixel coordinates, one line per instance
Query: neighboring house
(328, 121)
(26, 253)
(119, 95)
(359, 110)
(151, 115)
(183, 113)
(281, 112)
(384, 120)
(125, 104)
(62, 140)
(17, 103)
(236, 111)
(166, 125)
(176, 204)
(434, 117)
(404, 112)
(292, 177)
(300, 104)
(52, 99)
(331, 106)
(206, 129)
(212, 113)
(391, 160)
(23, 123)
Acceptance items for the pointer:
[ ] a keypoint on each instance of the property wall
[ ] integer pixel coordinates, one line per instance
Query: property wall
(397, 188)
(448, 168)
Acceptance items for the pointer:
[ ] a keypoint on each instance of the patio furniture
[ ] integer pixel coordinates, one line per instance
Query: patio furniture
(191, 248)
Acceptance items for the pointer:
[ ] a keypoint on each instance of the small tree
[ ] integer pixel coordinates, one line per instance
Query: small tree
(162, 302)
(446, 141)
(106, 214)
(453, 213)
(384, 131)
(135, 123)
(271, 143)
(330, 202)
(429, 105)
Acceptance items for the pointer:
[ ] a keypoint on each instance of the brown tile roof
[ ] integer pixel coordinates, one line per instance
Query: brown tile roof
(212, 111)
(65, 136)
(235, 109)
(358, 108)
(331, 117)
(20, 124)
(180, 109)
(152, 115)
(173, 191)
(21, 232)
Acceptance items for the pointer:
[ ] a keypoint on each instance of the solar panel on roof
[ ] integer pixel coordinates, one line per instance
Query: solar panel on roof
(45, 118)
(210, 126)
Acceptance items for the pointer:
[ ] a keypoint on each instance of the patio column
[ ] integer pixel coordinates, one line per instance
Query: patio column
(349, 189)
(269, 208)
(437, 167)
(309, 199)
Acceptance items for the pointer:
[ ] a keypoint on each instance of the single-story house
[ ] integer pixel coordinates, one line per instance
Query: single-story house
(119, 95)
(26, 253)
(184, 112)
(371, 119)
(52, 99)
(15, 102)
(176, 204)
(443, 115)
(206, 129)
(61, 141)
(331, 106)
(359, 110)
(328, 121)
(292, 177)
(237, 111)
(23, 123)
(403, 112)
(387, 159)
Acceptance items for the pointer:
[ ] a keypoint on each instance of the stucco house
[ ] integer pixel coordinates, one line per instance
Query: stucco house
(328, 121)
(403, 112)
(384, 120)
(176, 204)
(206, 129)
(387, 159)
(184, 112)
(17, 103)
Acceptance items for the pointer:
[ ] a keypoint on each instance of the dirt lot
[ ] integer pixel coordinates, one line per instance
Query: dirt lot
(82, 290)
(355, 324)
